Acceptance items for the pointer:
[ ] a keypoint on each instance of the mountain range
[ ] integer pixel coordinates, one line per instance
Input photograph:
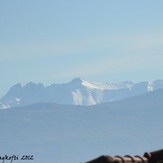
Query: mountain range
(80, 120)
(76, 92)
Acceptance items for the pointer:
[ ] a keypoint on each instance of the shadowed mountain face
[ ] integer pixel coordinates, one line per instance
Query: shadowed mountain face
(76, 92)
(72, 134)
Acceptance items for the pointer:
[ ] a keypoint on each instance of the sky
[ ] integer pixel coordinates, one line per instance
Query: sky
(54, 41)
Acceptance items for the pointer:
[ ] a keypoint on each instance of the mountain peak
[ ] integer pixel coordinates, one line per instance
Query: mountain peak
(15, 89)
(88, 84)
(33, 85)
(77, 80)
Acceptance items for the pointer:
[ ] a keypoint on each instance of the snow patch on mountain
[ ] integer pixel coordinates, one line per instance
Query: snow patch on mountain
(77, 97)
(150, 86)
(107, 86)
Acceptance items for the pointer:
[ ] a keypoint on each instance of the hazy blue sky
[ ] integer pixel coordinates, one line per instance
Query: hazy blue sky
(54, 41)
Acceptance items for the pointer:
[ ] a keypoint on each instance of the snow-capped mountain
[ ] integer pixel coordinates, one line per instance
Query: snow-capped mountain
(76, 92)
